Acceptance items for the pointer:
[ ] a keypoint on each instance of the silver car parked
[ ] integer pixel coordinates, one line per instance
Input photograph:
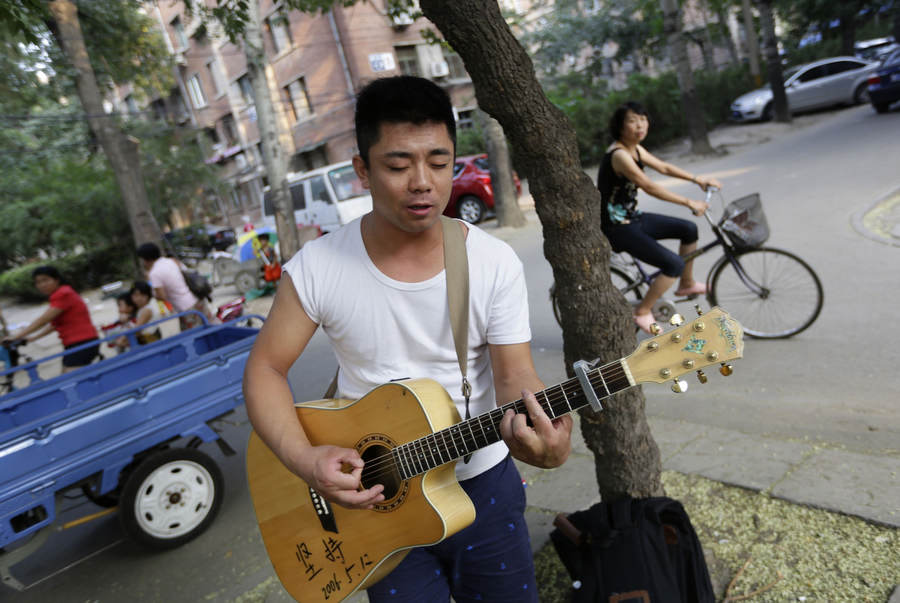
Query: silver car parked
(834, 81)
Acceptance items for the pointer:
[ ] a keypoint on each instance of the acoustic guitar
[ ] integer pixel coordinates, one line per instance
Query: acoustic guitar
(409, 434)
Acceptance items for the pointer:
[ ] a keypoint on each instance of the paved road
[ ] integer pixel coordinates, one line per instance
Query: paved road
(835, 383)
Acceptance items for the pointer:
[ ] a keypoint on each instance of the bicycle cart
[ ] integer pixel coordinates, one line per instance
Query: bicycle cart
(772, 292)
(124, 431)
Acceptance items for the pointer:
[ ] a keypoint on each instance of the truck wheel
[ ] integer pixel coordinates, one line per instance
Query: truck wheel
(245, 280)
(171, 498)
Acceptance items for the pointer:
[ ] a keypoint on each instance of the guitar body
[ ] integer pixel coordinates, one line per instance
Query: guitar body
(325, 552)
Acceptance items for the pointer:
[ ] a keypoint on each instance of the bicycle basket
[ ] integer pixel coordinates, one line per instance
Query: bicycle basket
(744, 222)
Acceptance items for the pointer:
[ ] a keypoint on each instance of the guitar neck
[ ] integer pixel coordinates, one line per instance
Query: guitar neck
(465, 437)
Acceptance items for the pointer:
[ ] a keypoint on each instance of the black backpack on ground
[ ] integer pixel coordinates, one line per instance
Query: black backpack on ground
(633, 551)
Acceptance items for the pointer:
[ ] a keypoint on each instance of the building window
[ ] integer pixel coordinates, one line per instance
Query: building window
(298, 99)
(278, 26)
(215, 75)
(465, 119)
(130, 105)
(230, 130)
(181, 41)
(309, 160)
(195, 89)
(244, 90)
(455, 63)
(408, 60)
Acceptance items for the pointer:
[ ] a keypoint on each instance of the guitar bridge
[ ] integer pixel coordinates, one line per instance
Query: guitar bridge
(323, 511)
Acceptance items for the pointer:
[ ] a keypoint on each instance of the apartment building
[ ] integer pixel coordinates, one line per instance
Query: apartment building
(316, 63)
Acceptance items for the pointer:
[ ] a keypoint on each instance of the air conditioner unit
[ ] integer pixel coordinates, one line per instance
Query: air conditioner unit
(402, 19)
(440, 69)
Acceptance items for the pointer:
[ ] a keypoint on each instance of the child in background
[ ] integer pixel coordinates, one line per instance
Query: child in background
(127, 317)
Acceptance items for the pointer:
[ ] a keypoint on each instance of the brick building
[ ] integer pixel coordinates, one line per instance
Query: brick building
(316, 63)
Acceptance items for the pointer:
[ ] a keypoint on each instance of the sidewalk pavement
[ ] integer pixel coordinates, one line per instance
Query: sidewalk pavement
(867, 486)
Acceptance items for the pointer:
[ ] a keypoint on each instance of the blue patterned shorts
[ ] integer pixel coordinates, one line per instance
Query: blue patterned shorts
(488, 561)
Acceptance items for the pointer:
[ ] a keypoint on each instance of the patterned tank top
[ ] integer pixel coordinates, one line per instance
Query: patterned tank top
(619, 194)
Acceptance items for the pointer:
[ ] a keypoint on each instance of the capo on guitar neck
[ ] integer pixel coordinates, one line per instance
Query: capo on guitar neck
(581, 369)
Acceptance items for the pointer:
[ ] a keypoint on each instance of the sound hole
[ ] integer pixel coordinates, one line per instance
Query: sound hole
(380, 469)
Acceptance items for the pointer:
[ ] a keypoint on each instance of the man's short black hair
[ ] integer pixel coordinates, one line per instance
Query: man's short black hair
(263, 236)
(149, 252)
(400, 99)
(618, 117)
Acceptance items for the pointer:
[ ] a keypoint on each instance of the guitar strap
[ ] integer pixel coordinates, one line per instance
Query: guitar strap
(456, 268)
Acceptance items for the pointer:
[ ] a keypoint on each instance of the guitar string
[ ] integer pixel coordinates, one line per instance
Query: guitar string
(421, 446)
(558, 401)
(431, 445)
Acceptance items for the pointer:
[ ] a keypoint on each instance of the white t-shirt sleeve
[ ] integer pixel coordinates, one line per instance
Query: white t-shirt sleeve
(508, 320)
(302, 278)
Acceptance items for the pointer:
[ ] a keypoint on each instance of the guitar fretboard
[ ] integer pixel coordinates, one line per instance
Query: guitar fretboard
(454, 442)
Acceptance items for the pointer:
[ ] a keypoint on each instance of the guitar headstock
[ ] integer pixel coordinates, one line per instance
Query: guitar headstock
(712, 338)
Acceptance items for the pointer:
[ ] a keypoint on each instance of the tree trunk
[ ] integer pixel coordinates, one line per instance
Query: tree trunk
(752, 42)
(121, 150)
(709, 48)
(596, 319)
(690, 102)
(782, 112)
(729, 38)
(506, 203)
(273, 154)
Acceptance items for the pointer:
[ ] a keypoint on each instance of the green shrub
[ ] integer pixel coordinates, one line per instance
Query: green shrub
(86, 270)
(589, 106)
(470, 141)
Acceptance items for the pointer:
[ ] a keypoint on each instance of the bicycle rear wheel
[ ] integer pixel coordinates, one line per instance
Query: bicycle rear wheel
(777, 296)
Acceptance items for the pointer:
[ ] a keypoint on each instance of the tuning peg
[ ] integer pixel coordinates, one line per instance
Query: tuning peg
(726, 369)
(677, 320)
(679, 386)
(701, 376)
(698, 309)
(655, 328)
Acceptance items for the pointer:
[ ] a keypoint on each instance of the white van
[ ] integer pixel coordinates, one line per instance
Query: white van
(327, 197)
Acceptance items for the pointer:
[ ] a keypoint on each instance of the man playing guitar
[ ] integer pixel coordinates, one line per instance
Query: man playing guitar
(377, 289)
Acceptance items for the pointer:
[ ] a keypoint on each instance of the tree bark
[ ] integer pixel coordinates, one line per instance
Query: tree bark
(506, 203)
(773, 62)
(596, 319)
(121, 150)
(752, 42)
(725, 30)
(690, 101)
(274, 159)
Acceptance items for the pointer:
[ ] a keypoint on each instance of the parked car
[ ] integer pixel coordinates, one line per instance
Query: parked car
(327, 197)
(472, 197)
(884, 84)
(833, 81)
(220, 238)
(876, 49)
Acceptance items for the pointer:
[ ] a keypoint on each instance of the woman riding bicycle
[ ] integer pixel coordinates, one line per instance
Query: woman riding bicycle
(627, 228)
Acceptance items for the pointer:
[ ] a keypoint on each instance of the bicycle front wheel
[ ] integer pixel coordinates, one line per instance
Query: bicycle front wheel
(772, 293)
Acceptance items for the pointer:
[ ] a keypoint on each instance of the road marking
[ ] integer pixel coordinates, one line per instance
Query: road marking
(881, 221)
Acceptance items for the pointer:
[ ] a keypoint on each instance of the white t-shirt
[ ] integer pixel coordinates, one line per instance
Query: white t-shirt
(166, 275)
(382, 329)
(157, 310)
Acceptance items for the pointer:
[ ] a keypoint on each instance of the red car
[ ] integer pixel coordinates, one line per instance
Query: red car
(472, 197)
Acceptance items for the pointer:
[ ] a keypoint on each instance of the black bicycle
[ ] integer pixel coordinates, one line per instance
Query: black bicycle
(773, 293)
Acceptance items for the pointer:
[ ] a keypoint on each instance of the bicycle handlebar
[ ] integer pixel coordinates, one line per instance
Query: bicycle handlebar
(709, 193)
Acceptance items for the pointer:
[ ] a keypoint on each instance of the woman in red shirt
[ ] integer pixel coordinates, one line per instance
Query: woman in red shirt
(67, 314)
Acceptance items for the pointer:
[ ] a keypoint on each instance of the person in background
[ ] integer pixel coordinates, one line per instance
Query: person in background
(67, 314)
(167, 281)
(628, 229)
(149, 310)
(127, 315)
(265, 249)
